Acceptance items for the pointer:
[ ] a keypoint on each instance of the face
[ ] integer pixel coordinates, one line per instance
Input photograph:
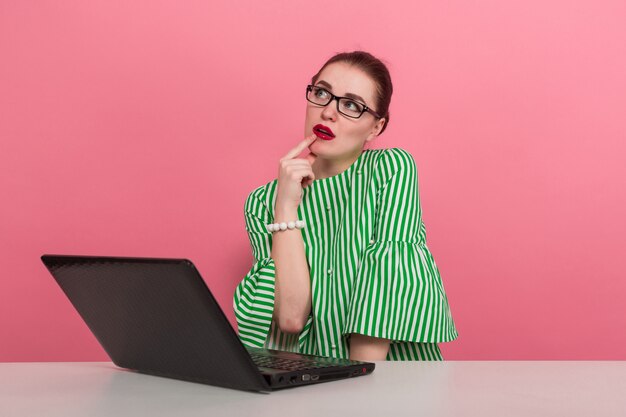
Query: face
(351, 134)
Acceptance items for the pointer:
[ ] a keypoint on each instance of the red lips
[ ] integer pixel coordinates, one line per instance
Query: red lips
(323, 132)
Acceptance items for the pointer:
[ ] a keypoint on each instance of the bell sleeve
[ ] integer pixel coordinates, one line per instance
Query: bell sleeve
(253, 300)
(398, 293)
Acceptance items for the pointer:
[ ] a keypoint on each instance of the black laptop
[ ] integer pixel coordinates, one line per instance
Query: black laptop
(158, 317)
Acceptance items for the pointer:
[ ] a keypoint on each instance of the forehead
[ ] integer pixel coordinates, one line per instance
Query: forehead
(346, 78)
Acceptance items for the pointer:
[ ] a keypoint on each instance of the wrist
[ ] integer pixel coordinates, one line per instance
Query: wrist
(285, 214)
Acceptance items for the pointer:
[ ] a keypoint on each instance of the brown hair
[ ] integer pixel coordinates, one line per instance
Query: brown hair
(373, 67)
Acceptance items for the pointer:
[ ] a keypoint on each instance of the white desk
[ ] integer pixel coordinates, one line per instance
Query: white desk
(503, 389)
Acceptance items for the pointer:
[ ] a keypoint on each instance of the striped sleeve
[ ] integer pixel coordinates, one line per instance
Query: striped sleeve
(398, 293)
(253, 300)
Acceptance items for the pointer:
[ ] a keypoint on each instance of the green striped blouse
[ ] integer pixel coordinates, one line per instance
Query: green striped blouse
(371, 271)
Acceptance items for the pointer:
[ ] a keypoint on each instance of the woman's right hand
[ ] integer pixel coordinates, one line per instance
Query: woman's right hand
(294, 174)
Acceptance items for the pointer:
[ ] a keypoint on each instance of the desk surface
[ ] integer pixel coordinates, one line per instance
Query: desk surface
(449, 388)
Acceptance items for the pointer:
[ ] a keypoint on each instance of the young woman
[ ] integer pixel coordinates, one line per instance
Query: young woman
(357, 279)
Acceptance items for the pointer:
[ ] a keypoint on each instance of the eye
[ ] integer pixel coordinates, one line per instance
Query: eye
(320, 92)
(352, 105)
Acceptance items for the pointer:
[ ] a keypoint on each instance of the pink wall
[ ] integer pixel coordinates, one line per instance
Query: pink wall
(133, 129)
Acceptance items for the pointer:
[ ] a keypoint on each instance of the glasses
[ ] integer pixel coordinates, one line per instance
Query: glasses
(345, 105)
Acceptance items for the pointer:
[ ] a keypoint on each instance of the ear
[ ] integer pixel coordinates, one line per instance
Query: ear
(376, 130)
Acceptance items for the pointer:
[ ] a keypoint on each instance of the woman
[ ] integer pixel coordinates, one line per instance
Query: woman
(357, 281)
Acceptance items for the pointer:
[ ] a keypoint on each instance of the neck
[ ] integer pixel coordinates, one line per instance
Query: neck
(324, 168)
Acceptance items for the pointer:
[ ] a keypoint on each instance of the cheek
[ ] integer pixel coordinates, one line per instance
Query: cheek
(309, 117)
(355, 131)
(312, 116)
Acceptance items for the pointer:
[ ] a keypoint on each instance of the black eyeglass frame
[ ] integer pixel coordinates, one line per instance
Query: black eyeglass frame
(337, 98)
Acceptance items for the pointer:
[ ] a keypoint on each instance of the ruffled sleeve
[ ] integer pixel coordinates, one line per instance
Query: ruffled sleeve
(253, 301)
(398, 293)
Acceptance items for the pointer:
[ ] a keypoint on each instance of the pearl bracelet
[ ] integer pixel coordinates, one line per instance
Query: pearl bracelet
(276, 227)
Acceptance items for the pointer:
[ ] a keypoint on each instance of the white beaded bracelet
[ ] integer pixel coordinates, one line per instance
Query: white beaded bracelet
(276, 227)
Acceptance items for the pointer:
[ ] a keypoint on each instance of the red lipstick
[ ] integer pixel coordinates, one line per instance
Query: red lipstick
(323, 132)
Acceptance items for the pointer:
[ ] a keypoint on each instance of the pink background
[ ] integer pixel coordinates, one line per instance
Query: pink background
(137, 129)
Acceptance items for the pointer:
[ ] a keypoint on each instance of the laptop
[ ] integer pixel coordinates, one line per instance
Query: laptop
(157, 316)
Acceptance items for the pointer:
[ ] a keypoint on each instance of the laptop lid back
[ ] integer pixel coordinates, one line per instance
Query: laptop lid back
(156, 316)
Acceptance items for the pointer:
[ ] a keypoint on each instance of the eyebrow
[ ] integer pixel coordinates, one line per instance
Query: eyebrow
(350, 95)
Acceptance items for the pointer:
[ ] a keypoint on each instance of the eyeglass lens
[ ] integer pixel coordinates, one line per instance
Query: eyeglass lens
(322, 97)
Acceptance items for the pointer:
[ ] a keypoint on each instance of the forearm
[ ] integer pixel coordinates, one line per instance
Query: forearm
(292, 289)
(367, 348)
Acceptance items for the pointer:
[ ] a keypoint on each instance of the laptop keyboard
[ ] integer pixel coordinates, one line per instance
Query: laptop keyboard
(287, 364)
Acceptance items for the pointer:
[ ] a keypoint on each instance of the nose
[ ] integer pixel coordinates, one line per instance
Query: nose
(330, 111)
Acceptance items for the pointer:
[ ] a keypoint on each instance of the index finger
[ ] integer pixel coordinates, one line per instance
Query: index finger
(299, 147)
